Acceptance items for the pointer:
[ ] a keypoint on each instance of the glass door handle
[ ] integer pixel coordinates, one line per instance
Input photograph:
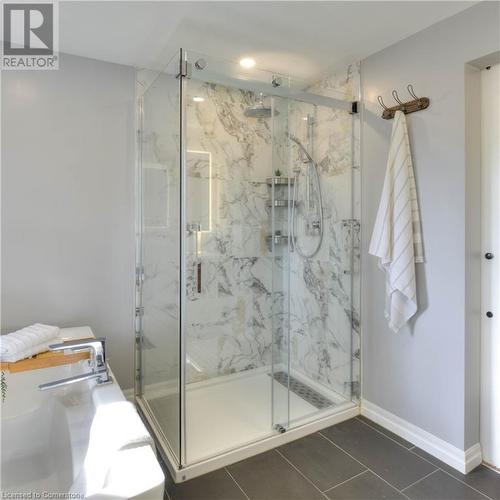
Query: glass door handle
(198, 277)
(488, 256)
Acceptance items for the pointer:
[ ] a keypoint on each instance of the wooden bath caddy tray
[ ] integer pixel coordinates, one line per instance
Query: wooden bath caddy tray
(44, 360)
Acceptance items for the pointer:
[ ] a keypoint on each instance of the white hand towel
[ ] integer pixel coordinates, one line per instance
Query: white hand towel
(115, 427)
(27, 342)
(397, 235)
(29, 352)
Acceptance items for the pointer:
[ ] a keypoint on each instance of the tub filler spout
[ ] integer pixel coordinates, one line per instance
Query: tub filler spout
(99, 367)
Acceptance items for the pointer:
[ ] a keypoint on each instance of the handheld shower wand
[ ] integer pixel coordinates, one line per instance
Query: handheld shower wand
(317, 224)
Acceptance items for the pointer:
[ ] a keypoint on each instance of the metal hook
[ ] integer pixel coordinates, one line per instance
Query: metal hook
(381, 102)
(411, 91)
(396, 97)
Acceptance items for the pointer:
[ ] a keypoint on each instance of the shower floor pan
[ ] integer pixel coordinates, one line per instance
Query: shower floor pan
(230, 418)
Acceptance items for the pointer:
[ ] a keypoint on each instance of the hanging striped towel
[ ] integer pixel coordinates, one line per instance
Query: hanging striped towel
(397, 235)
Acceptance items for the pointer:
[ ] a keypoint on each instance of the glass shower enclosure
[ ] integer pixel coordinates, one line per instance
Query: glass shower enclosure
(247, 274)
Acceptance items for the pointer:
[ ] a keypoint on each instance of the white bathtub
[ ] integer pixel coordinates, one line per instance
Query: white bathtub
(45, 436)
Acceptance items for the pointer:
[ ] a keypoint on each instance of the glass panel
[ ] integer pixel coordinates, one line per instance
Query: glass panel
(229, 267)
(160, 250)
(280, 191)
(321, 259)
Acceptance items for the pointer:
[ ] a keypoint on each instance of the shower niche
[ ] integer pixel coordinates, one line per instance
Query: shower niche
(247, 329)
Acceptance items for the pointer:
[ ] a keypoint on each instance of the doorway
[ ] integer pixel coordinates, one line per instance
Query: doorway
(490, 269)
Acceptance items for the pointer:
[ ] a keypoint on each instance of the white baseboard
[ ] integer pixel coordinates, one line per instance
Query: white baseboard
(463, 461)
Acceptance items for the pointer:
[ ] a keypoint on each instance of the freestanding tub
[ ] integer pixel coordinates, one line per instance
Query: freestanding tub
(45, 437)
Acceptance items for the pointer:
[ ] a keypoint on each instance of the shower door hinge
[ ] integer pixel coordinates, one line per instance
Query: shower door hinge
(139, 276)
(138, 380)
(354, 108)
(185, 69)
(139, 313)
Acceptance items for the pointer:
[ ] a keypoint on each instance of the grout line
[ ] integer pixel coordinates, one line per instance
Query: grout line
(411, 450)
(347, 480)
(451, 475)
(421, 479)
(364, 465)
(237, 484)
(385, 435)
(300, 472)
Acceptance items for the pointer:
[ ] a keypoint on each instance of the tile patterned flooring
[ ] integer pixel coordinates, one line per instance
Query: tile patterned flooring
(356, 459)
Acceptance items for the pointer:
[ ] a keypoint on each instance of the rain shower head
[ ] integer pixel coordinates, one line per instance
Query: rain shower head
(259, 109)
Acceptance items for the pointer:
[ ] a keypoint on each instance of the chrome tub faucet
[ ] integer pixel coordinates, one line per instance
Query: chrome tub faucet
(98, 365)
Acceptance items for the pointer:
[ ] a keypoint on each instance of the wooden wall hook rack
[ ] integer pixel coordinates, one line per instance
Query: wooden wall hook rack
(417, 104)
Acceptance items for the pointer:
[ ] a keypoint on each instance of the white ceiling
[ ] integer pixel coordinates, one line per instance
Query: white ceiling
(303, 38)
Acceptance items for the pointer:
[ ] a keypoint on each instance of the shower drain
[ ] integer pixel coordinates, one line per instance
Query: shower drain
(313, 397)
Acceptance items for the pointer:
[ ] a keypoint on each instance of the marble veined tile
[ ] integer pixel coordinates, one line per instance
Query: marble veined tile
(251, 305)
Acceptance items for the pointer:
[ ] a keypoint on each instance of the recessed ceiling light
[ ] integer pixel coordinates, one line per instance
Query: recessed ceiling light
(198, 99)
(247, 62)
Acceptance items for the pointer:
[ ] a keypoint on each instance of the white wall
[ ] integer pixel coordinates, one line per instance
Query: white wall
(426, 373)
(68, 201)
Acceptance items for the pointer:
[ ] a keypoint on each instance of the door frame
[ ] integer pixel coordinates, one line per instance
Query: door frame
(490, 268)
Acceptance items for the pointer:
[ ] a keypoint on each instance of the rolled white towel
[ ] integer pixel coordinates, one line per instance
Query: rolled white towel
(30, 351)
(27, 342)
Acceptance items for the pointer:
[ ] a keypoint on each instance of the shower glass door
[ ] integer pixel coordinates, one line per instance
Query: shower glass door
(280, 194)
(234, 329)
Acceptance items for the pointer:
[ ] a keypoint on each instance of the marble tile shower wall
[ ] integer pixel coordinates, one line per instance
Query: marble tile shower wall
(228, 313)
(228, 318)
(325, 288)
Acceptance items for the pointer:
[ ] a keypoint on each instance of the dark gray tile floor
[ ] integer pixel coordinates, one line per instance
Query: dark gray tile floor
(356, 459)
